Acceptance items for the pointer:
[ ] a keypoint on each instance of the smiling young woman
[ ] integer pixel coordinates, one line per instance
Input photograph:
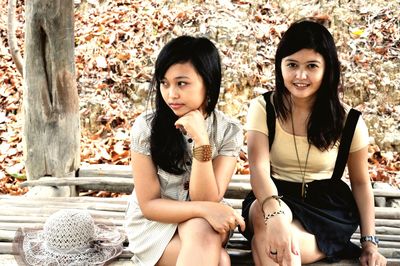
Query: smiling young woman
(299, 138)
(302, 73)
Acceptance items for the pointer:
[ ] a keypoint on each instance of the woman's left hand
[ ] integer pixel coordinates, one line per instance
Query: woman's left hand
(370, 256)
(192, 123)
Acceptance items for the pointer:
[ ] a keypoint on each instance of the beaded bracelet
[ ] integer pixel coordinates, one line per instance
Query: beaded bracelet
(275, 197)
(272, 214)
(202, 153)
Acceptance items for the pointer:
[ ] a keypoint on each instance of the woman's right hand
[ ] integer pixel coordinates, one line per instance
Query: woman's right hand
(280, 244)
(223, 217)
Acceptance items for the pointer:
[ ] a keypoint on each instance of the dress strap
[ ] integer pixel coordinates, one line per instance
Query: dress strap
(270, 117)
(345, 142)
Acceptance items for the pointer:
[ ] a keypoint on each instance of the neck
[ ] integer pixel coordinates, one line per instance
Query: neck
(300, 112)
(302, 105)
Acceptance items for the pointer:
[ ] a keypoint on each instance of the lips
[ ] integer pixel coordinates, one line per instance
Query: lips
(175, 106)
(301, 85)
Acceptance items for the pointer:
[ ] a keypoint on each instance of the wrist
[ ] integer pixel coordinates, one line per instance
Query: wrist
(369, 247)
(199, 141)
(270, 203)
(270, 215)
(369, 240)
(202, 153)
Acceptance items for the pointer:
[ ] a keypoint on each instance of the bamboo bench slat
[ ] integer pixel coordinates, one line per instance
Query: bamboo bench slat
(238, 187)
(16, 212)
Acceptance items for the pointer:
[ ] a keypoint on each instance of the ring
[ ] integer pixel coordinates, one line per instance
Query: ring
(273, 252)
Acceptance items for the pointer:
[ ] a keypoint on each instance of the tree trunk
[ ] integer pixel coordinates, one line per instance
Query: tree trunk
(12, 39)
(51, 105)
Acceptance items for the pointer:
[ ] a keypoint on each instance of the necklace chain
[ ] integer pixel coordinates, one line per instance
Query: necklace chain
(302, 171)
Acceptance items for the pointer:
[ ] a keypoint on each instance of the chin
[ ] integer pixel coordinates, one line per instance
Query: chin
(180, 113)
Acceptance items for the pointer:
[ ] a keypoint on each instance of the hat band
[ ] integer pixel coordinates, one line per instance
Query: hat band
(94, 245)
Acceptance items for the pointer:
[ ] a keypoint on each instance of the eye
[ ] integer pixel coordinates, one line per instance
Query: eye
(291, 65)
(312, 66)
(163, 83)
(182, 83)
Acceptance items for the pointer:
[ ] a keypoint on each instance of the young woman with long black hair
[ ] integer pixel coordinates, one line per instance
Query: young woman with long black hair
(300, 138)
(183, 156)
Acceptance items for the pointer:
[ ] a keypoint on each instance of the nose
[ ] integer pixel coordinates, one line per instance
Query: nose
(301, 74)
(173, 92)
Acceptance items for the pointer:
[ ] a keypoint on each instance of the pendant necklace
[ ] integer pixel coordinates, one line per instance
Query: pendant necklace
(302, 171)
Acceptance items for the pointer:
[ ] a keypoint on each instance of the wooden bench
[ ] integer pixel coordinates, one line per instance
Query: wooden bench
(16, 212)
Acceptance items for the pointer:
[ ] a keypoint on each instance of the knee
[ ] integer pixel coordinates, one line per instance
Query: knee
(224, 259)
(201, 232)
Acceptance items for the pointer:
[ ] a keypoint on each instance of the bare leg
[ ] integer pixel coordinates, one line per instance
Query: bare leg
(309, 251)
(171, 252)
(173, 249)
(200, 244)
(224, 259)
(308, 245)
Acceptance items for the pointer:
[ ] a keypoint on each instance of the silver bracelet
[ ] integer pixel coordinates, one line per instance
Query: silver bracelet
(272, 214)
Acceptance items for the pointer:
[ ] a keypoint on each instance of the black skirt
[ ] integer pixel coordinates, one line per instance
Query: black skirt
(329, 212)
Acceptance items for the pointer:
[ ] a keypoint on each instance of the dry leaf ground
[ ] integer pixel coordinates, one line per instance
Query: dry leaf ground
(117, 42)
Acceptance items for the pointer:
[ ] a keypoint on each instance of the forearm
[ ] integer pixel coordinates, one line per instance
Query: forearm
(209, 180)
(259, 162)
(173, 211)
(263, 187)
(203, 185)
(362, 190)
(261, 183)
(365, 202)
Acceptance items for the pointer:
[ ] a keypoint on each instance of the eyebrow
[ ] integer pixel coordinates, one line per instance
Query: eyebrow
(181, 77)
(311, 61)
(178, 77)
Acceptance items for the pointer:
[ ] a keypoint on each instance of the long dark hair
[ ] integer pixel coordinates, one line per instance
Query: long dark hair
(327, 115)
(167, 144)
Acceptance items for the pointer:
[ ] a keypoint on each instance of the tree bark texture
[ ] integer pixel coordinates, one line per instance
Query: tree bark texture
(51, 105)
(12, 39)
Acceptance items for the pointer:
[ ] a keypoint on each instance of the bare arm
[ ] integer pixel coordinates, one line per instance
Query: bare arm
(362, 191)
(147, 188)
(208, 180)
(261, 183)
(278, 234)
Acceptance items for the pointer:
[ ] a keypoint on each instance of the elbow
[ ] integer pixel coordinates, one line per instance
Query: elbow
(146, 214)
(147, 211)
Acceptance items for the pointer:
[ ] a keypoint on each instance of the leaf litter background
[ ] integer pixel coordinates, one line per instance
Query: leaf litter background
(116, 44)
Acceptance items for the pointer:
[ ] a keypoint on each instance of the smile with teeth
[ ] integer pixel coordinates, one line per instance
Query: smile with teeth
(302, 85)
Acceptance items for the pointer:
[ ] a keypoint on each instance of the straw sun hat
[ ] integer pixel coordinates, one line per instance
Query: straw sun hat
(69, 237)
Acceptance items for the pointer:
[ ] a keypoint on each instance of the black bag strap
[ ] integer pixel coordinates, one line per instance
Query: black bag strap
(270, 117)
(345, 143)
